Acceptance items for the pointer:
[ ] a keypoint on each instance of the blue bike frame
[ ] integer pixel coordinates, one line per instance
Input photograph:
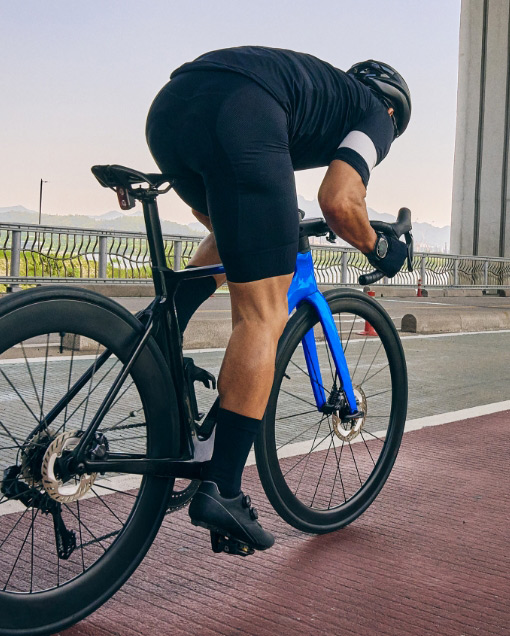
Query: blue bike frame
(304, 289)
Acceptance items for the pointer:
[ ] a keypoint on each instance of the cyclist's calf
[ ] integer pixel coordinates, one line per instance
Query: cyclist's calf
(259, 315)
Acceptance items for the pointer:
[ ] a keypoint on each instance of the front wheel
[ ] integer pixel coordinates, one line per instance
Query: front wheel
(319, 472)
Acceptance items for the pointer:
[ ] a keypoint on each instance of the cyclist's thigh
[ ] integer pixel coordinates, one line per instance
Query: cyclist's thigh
(251, 193)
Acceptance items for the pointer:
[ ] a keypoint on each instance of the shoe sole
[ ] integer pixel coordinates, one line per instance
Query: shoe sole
(220, 531)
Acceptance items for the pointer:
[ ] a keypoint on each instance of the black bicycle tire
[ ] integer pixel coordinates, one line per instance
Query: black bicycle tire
(280, 496)
(51, 611)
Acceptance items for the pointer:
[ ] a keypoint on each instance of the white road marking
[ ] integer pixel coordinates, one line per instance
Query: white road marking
(424, 336)
(417, 303)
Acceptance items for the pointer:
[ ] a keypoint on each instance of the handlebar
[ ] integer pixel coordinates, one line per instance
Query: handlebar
(402, 226)
(372, 277)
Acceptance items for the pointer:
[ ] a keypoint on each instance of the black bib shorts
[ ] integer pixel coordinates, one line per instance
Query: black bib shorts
(225, 140)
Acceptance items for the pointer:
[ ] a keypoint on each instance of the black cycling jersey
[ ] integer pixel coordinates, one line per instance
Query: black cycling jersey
(330, 115)
(234, 125)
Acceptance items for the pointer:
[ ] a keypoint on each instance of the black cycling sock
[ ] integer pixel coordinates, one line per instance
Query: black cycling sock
(232, 443)
(190, 295)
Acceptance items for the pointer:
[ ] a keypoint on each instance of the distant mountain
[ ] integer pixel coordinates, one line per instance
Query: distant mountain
(427, 237)
(15, 208)
(108, 216)
(114, 220)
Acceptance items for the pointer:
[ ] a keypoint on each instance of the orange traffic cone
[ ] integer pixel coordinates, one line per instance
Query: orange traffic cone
(368, 330)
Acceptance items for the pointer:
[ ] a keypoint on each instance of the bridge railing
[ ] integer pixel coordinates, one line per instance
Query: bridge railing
(32, 254)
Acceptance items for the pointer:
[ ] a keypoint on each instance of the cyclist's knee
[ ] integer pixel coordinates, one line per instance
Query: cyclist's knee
(262, 303)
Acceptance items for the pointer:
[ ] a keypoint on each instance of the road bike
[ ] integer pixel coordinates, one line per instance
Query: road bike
(101, 435)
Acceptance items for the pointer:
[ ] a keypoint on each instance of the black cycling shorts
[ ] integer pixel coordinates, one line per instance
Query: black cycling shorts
(225, 140)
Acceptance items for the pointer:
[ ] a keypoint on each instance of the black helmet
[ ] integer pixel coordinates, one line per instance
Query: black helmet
(389, 85)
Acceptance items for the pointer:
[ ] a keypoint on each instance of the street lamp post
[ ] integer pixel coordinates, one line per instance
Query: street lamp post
(40, 199)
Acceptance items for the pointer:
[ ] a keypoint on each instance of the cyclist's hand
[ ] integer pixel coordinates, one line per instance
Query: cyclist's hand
(388, 255)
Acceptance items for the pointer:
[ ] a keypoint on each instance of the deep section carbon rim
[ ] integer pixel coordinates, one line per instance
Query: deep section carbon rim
(51, 536)
(321, 471)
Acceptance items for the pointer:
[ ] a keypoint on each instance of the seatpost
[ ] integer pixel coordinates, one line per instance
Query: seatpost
(156, 244)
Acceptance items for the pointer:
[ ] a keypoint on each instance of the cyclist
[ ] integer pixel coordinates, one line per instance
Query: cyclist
(232, 127)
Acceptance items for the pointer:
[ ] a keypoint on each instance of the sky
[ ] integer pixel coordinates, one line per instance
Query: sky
(78, 78)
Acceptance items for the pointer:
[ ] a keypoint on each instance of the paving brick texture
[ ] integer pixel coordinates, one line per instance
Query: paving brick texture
(430, 556)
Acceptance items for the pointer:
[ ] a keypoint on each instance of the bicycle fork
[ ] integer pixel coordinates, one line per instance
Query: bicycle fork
(304, 289)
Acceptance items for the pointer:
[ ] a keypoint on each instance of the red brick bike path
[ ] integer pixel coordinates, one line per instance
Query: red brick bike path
(430, 556)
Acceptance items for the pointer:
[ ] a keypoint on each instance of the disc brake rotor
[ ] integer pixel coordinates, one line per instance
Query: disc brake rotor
(54, 486)
(350, 429)
(32, 455)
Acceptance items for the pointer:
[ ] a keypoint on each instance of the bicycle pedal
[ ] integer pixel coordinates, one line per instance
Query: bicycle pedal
(221, 543)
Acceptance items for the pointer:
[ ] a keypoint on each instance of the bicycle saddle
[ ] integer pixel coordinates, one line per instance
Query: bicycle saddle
(114, 176)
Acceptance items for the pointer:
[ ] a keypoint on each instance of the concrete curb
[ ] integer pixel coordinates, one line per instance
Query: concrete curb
(453, 321)
(207, 334)
(124, 290)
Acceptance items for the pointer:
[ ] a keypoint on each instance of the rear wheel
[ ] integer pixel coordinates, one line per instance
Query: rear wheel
(319, 472)
(67, 543)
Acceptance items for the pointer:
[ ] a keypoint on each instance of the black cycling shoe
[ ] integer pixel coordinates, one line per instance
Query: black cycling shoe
(232, 522)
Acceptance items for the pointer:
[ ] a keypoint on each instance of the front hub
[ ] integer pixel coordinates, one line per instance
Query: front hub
(348, 428)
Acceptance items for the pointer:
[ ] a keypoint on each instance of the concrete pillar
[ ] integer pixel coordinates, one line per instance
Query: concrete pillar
(481, 180)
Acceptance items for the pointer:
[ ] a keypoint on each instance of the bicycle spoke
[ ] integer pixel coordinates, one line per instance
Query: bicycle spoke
(20, 396)
(286, 417)
(91, 381)
(372, 363)
(334, 376)
(106, 506)
(297, 397)
(339, 473)
(306, 463)
(13, 527)
(308, 375)
(375, 436)
(31, 376)
(376, 394)
(350, 334)
(309, 453)
(366, 446)
(86, 528)
(45, 375)
(71, 362)
(323, 466)
(121, 395)
(32, 557)
(359, 358)
(20, 551)
(81, 539)
(355, 464)
(10, 435)
(62, 427)
(386, 366)
(120, 492)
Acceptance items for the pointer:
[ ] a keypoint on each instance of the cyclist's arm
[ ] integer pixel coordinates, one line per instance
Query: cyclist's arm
(342, 201)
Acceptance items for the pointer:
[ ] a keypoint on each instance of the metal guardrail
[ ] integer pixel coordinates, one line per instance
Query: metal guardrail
(32, 254)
